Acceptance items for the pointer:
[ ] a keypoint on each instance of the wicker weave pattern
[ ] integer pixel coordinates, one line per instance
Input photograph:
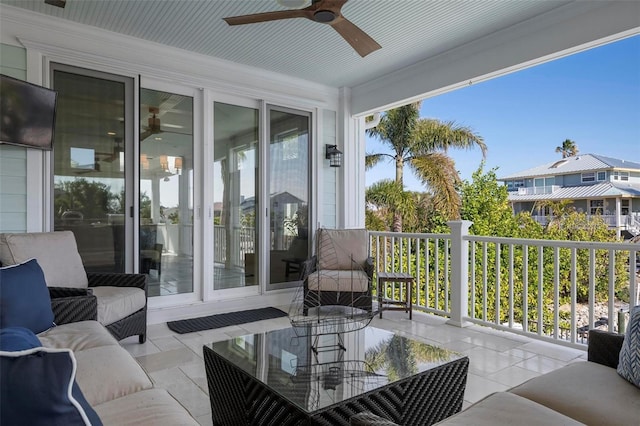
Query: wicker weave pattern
(98, 279)
(239, 399)
(604, 347)
(55, 292)
(73, 309)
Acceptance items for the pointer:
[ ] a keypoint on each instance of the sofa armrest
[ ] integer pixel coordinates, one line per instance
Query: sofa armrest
(369, 419)
(56, 292)
(368, 267)
(604, 347)
(74, 309)
(99, 279)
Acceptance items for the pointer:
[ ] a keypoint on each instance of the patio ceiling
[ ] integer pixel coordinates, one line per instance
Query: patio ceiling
(418, 37)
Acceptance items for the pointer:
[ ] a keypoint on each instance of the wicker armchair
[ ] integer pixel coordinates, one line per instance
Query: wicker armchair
(341, 273)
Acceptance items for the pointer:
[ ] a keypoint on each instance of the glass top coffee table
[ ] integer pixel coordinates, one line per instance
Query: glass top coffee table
(288, 377)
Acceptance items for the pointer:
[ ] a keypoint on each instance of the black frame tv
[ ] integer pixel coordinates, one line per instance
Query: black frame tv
(27, 113)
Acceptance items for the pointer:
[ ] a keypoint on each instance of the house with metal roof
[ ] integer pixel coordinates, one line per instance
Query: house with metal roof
(595, 184)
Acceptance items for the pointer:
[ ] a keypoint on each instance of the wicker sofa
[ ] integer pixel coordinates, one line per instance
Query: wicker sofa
(122, 298)
(589, 392)
(112, 382)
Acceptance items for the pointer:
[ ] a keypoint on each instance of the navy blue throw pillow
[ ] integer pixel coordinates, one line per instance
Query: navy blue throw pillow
(18, 339)
(24, 297)
(39, 387)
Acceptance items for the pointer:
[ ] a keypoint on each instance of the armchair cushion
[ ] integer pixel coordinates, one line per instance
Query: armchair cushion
(347, 281)
(629, 362)
(24, 297)
(116, 303)
(39, 386)
(56, 252)
(337, 248)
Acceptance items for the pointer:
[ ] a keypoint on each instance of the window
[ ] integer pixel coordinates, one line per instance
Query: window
(602, 176)
(589, 177)
(596, 206)
(624, 176)
(624, 207)
(518, 183)
(538, 182)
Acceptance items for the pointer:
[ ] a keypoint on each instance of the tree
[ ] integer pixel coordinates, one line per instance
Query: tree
(568, 148)
(422, 144)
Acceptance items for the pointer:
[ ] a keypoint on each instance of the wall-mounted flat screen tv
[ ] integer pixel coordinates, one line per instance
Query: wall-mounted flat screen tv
(27, 113)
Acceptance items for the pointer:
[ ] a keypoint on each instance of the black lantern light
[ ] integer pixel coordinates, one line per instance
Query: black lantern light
(334, 155)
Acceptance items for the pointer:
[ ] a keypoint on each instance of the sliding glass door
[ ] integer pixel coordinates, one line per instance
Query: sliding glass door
(91, 164)
(166, 192)
(288, 177)
(235, 196)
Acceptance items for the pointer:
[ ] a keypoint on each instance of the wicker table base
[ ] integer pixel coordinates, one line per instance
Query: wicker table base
(239, 398)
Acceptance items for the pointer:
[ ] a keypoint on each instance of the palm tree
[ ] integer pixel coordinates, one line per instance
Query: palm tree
(568, 148)
(422, 144)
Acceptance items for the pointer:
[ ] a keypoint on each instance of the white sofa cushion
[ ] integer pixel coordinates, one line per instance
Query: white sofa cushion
(587, 392)
(503, 408)
(77, 336)
(346, 281)
(116, 303)
(153, 407)
(56, 253)
(342, 249)
(109, 372)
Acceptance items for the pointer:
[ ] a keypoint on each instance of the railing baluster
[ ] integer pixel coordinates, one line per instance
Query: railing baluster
(612, 288)
(592, 287)
(497, 301)
(427, 278)
(540, 288)
(556, 292)
(436, 272)
(574, 291)
(447, 302)
(417, 282)
(525, 287)
(472, 274)
(510, 285)
(484, 281)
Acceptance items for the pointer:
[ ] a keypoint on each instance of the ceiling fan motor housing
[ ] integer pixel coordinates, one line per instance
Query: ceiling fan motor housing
(324, 16)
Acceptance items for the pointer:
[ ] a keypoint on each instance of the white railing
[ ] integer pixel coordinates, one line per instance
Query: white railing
(630, 222)
(551, 290)
(538, 190)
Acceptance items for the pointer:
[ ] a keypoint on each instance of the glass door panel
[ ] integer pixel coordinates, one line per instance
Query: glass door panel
(288, 193)
(235, 196)
(166, 192)
(89, 164)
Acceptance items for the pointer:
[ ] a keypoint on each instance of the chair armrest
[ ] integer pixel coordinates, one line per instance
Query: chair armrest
(99, 279)
(307, 267)
(368, 267)
(74, 308)
(56, 292)
(369, 419)
(604, 347)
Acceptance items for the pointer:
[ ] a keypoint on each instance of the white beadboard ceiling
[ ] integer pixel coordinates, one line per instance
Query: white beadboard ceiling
(408, 30)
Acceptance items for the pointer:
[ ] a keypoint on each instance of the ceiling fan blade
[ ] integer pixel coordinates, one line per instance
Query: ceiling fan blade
(267, 16)
(358, 39)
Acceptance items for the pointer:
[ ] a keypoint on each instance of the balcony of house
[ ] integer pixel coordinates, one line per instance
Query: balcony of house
(538, 190)
(625, 222)
(518, 308)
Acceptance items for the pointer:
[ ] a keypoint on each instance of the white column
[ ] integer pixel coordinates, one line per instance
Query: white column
(459, 272)
(618, 211)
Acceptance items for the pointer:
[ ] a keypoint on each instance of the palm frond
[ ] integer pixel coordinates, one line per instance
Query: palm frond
(431, 135)
(438, 172)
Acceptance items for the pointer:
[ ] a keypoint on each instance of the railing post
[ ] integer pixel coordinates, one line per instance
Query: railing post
(459, 272)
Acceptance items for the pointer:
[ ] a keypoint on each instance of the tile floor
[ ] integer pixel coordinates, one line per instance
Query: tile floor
(498, 360)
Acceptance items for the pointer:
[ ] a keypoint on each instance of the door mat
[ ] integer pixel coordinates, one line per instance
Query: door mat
(224, 320)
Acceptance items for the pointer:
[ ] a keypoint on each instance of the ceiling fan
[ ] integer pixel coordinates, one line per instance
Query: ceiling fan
(324, 12)
(153, 127)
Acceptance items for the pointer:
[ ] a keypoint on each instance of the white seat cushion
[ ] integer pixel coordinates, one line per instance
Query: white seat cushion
(344, 281)
(587, 392)
(109, 372)
(503, 408)
(77, 336)
(116, 303)
(153, 407)
(56, 253)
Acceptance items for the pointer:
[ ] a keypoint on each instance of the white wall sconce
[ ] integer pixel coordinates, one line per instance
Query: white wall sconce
(334, 155)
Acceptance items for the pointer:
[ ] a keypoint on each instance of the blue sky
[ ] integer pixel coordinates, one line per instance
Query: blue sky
(592, 98)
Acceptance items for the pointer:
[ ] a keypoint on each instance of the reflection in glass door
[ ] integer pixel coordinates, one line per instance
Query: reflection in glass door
(235, 196)
(166, 192)
(288, 193)
(92, 129)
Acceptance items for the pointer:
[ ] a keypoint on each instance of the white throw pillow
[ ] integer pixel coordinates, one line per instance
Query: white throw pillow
(629, 361)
